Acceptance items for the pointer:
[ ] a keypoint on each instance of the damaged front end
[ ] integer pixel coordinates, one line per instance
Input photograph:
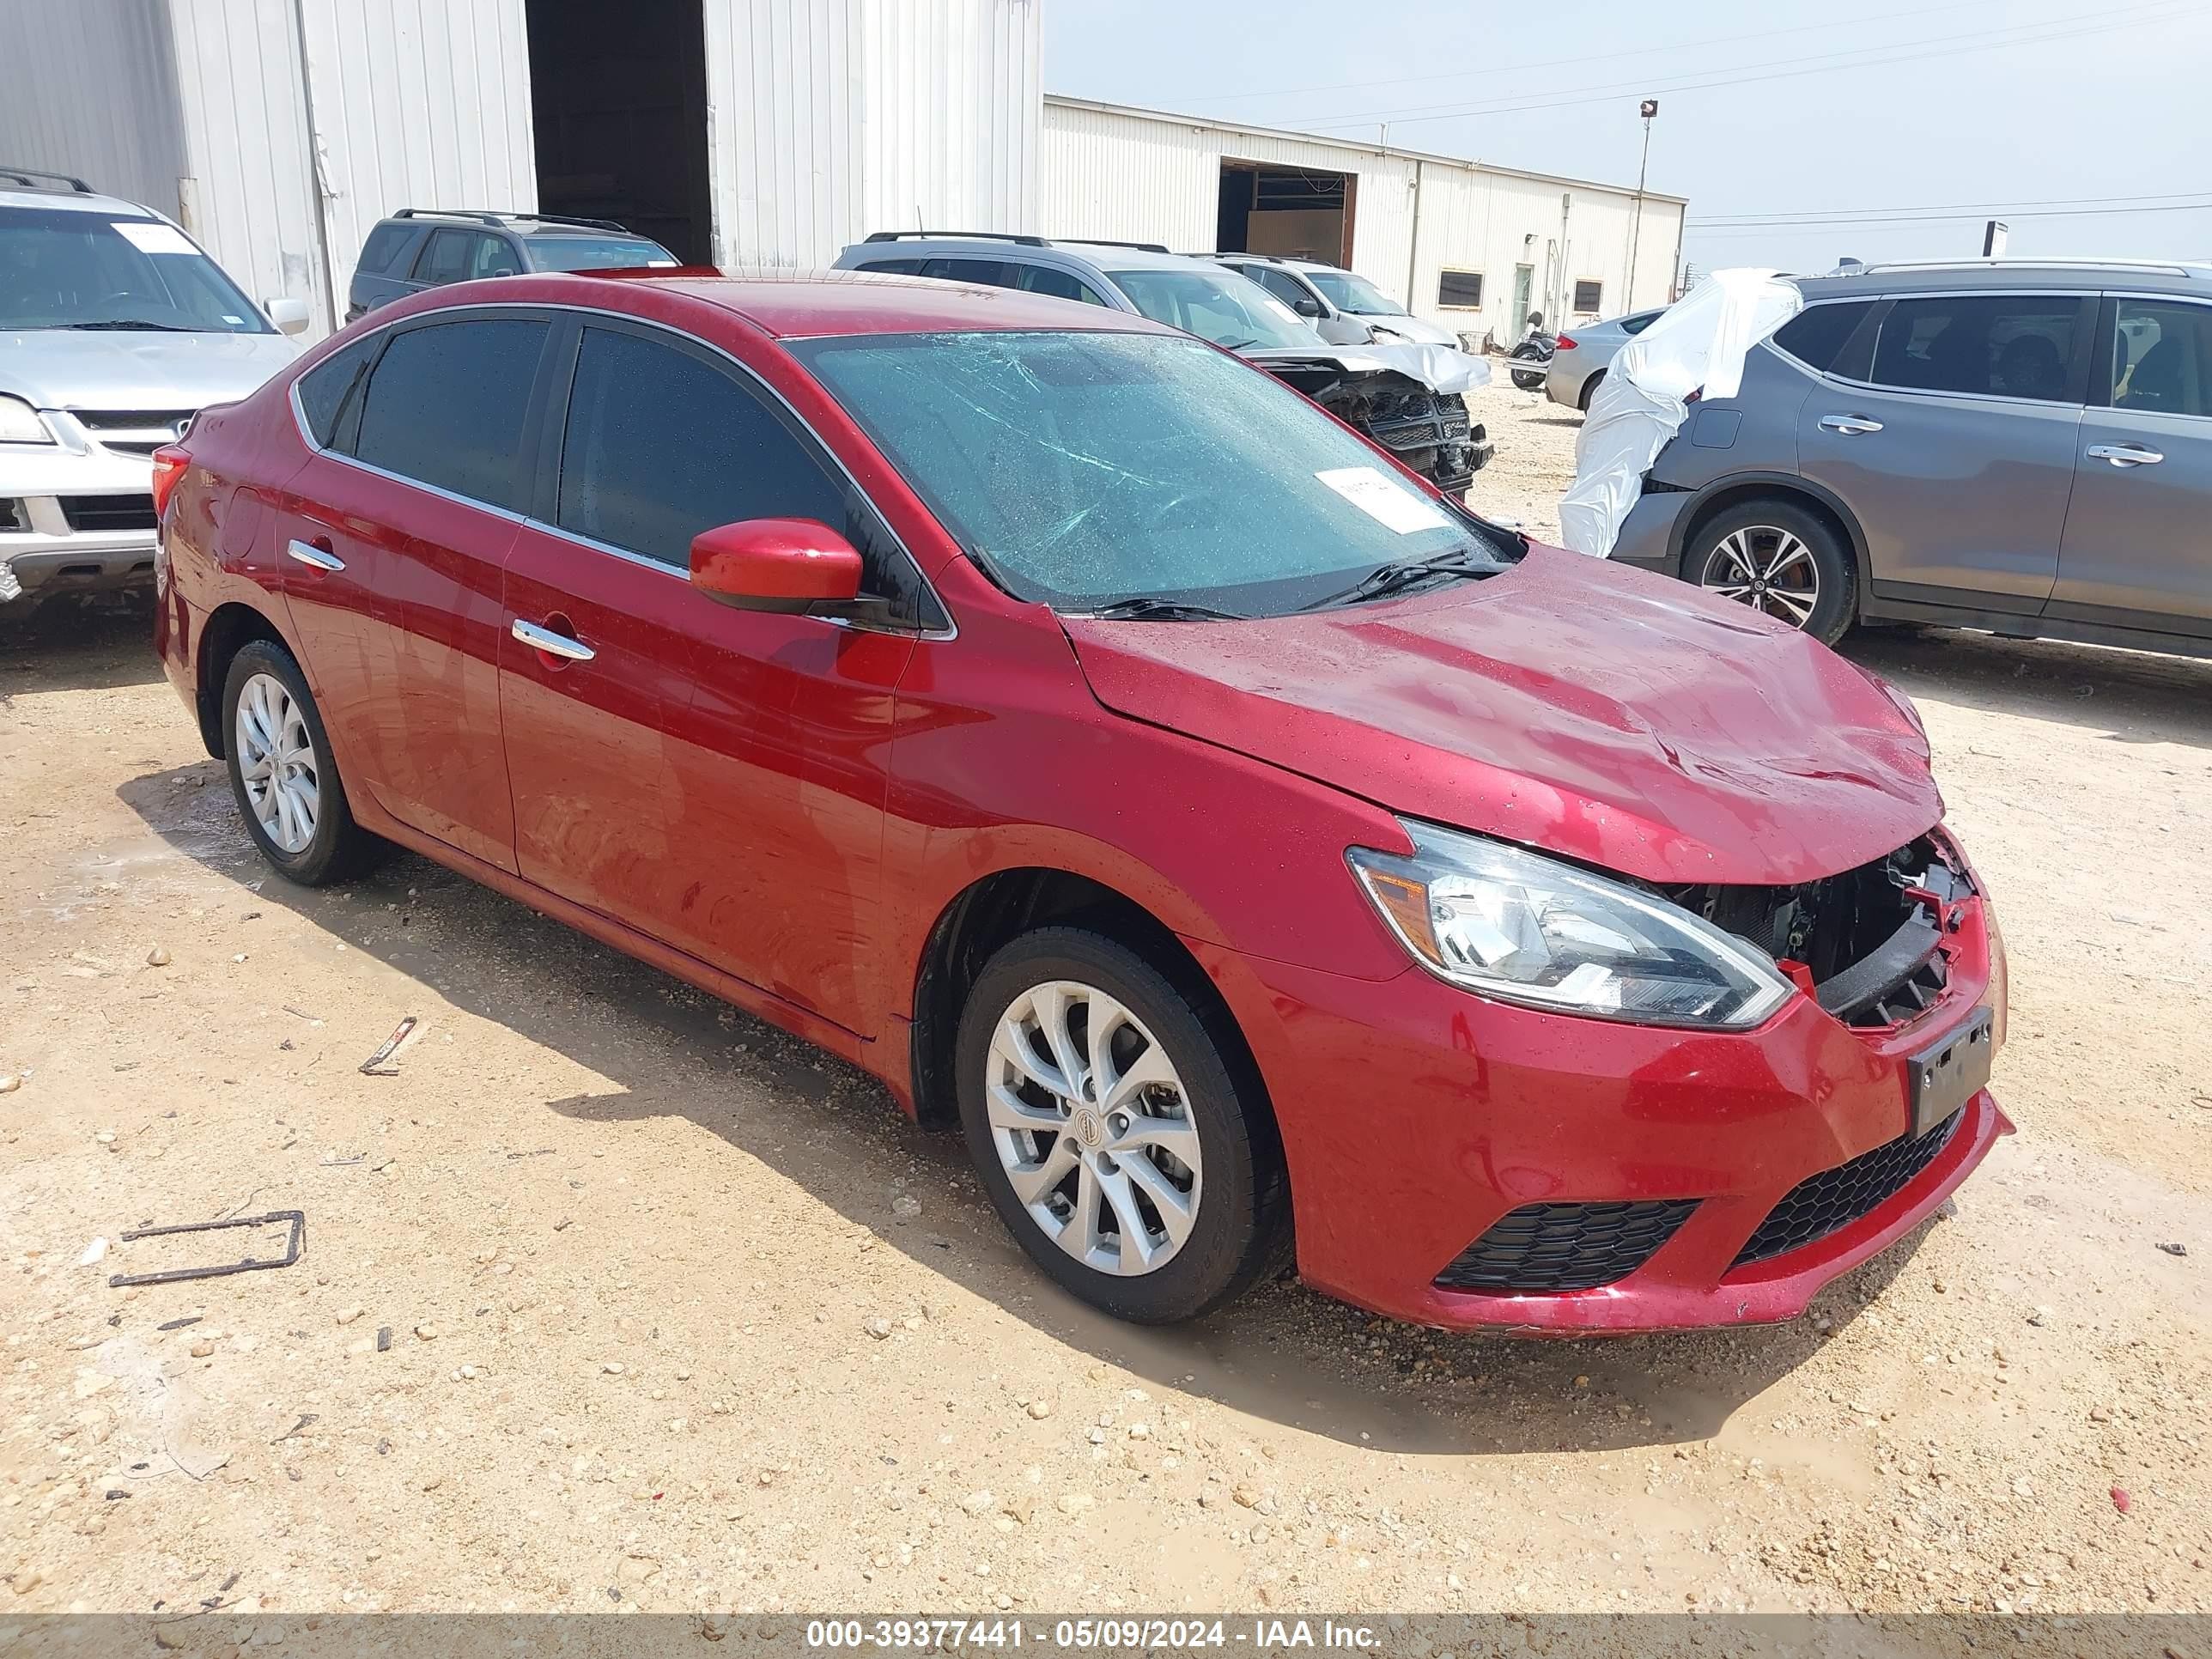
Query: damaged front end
(1874, 947)
(1426, 428)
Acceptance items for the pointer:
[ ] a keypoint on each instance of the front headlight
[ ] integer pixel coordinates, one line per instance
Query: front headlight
(1512, 924)
(20, 423)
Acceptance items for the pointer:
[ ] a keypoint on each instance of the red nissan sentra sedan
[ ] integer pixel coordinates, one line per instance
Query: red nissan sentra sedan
(1089, 737)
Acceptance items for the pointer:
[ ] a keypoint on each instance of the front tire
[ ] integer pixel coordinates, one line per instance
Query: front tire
(282, 771)
(1114, 1130)
(1782, 561)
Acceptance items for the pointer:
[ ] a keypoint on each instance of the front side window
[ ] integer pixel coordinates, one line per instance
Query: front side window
(1998, 345)
(1355, 294)
(663, 443)
(1079, 469)
(65, 268)
(1284, 287)
(446, 405)
(1218, 305)
(2162, 357)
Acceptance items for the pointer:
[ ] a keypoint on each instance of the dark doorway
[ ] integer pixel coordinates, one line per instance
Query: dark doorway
(618, 98)
(1295, 212)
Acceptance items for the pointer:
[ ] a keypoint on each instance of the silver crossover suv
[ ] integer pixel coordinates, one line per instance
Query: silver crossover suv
(2020, 447)
(115, 329)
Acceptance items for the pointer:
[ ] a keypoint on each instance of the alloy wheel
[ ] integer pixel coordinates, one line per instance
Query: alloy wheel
(276, 761)
(1092, 1126)
(1767, 569)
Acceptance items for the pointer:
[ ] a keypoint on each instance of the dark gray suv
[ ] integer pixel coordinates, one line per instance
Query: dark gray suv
(2020, 447)
(428, 247)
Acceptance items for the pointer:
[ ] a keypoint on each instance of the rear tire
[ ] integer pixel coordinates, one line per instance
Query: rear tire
(1528, 379)
(282, 773)
(1156, 1204)
(1589, 390)
(1780, 559)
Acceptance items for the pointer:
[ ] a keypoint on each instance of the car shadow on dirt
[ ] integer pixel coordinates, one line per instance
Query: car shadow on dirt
(2128, 696)
(1283, 1353)
(68, 644)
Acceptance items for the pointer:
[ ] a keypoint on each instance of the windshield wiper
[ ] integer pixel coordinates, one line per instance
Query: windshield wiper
(130, 323)
(1150, 607)
(1403, 575)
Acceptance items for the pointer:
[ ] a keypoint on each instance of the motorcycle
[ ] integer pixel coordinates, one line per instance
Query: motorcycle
(1536, 349)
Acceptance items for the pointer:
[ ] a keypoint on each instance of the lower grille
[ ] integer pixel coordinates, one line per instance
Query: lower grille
(1821, 1204)
(86, 512)
(1565, 1246)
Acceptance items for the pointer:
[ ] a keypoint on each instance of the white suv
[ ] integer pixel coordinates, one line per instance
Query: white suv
(115, 329)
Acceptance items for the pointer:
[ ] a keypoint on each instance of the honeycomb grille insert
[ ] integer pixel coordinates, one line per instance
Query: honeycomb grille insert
(1821, 1204)
(1564, 1247)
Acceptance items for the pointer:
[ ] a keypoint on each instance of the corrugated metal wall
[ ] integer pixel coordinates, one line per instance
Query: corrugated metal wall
(830, 118)
(88, 88)
(1141, 176)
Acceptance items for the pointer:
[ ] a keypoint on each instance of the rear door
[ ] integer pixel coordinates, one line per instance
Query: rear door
(713, 777)
(403, 523)
(1952, 443)
(2137, 551)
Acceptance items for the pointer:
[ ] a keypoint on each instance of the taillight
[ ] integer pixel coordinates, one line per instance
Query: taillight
(1566, 343)
(169, 464)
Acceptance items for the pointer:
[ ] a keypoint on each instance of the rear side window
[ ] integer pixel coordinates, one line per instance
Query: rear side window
(381, 252)
(893, 267)
(1043, 279)
(462, 256)
(662, 444)
(1636, 325)
(1815, 337)
(1987, 345)
(991, 273)
(2162, 358)
(329, 392)
(446, 406)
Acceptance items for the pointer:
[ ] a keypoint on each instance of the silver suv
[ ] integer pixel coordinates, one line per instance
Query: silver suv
(2003, 445)
(115, 329)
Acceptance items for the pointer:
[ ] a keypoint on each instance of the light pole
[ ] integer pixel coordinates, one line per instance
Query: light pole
(1649, 108)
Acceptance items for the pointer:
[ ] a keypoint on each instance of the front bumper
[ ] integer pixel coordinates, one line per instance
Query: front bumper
(75, 515)
(1416, 1117)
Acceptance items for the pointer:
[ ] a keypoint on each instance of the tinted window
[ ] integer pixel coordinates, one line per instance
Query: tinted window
(1043, 279)
(1641, 320)
(2162, 358)
(895, 267)
(1462, 288)
(1284, 286)
(382, 250)
(446, 405)
(991, 273)
(1815, 335)
(1994, 345)
(460, 256)
(1589, 296)
(662, 444)
(326, 390)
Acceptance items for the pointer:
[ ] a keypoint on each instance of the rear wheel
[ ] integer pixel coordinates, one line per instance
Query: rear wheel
(1780, 561)
(1590, 390)
(1111, 1131)
(282, 771)
(1528, 379)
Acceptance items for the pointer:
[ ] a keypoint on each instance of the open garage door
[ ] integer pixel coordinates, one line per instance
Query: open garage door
(618, 106)
(1295, 212)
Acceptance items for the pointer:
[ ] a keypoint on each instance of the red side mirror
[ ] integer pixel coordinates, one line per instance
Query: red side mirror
(791, 565)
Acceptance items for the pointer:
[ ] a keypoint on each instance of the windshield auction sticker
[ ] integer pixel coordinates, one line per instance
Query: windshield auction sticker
(1389, 504)
(151, 236)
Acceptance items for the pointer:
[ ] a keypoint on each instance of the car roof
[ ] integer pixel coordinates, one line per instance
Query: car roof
(2009, 275)
(522, 224)
(798, 304)
(76, 201)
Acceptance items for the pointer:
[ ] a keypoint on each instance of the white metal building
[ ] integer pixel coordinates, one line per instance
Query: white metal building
(749, 132)
(1473, 247)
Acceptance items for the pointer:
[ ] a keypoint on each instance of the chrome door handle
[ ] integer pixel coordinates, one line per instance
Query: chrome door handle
(1848, 425)
(2125, 454)
(308, 553)
(554, 645)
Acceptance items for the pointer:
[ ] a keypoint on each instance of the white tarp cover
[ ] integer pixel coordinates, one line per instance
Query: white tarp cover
(1699, 341)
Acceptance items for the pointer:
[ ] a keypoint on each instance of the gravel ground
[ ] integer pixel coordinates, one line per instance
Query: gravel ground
(613, 1298)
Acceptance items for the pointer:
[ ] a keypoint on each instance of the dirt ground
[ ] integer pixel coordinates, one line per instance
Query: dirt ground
(682, 1316)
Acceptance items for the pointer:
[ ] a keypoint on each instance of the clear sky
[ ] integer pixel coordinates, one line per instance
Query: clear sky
(1800, 133)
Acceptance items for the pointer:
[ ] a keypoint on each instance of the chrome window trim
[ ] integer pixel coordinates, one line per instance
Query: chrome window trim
(2076, 295)
(950, 631)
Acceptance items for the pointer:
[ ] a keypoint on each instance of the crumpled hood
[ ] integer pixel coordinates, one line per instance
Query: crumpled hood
(1439, 367)
(87, 369)
(1592, 711)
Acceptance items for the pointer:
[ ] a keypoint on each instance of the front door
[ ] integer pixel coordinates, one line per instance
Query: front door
(2139, 545)
(714, 777)
(1956, 454)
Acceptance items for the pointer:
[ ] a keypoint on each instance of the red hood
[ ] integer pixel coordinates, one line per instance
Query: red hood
(1590, 710)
